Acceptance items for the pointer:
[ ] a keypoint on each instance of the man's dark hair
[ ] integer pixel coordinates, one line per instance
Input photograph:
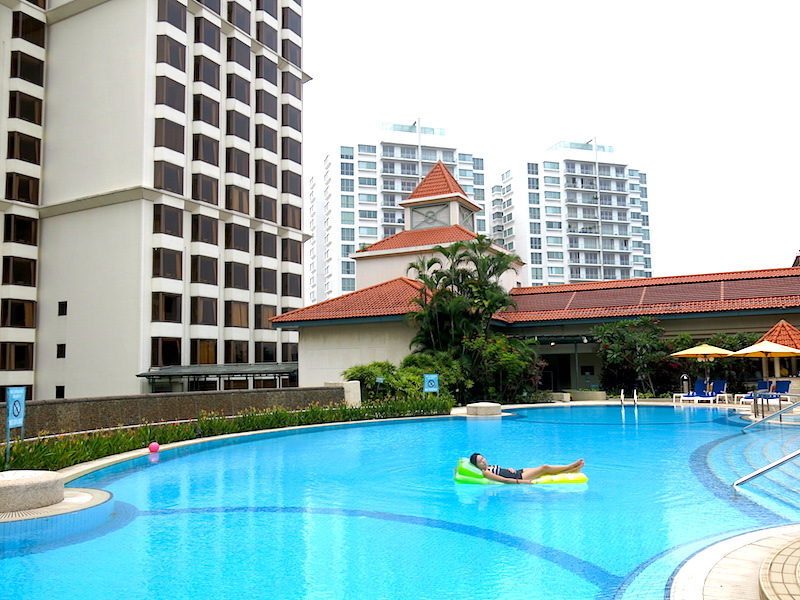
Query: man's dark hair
(474, 458)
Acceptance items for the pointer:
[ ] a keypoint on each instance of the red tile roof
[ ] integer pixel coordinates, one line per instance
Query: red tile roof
(686, 294)
(783, 333)
(744, 290)
(434, 236)
(438, 182)
(384, 299)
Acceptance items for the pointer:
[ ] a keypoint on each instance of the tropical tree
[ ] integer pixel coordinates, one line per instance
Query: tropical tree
(632, 351)
(460, 295)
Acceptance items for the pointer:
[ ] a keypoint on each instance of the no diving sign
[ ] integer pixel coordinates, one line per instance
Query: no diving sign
(15, 407)
(431, 383)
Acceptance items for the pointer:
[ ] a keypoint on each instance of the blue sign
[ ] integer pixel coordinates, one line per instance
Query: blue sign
(431, 383)
(15, 406)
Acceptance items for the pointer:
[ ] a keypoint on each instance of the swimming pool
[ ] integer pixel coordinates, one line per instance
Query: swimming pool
(371, 511)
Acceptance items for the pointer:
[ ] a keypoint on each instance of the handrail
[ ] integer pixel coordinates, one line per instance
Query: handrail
(770, 466)
(756, 395)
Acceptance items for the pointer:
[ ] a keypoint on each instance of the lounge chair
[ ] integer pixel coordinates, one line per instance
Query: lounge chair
(719, 389)
(699, 391)
(761, 386)
(779, 391)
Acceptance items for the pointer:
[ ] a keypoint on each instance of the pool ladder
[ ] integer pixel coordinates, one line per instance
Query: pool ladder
(780, 461)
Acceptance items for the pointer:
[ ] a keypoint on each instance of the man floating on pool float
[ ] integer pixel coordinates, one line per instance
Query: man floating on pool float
(543, 474)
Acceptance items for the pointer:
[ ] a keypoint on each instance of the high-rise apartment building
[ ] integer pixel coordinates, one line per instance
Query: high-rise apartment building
(153, 206)
(358, 198)
(576, 213)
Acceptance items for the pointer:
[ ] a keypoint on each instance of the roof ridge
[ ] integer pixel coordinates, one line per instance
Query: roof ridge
(665, 280)
(438, 182)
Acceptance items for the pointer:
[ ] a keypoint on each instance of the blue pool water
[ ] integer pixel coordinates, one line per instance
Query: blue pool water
(371, 511)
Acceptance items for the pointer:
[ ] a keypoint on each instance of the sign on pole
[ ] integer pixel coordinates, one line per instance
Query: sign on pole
(431, 383)
(15, 413)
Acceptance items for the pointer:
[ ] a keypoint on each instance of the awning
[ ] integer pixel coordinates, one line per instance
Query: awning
(205, 371)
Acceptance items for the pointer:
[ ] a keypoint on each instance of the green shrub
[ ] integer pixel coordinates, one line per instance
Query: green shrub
(58, 452)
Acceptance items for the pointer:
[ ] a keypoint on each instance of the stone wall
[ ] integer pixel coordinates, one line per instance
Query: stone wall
(82, 414)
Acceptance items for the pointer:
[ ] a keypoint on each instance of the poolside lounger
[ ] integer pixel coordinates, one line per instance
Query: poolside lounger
(761, 386)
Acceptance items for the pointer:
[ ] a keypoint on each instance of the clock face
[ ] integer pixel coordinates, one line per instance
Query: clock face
(429, 216)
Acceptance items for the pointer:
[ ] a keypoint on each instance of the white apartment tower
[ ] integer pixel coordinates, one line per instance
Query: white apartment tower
(577, 213)
(358, 198)
(153, 205)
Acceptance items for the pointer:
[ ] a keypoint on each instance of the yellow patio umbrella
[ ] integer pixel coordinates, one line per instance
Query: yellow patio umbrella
(766, 350)
(703, 353)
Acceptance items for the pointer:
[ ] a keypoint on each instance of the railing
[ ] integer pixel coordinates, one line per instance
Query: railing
(780, 461)
(770, 396)
(769, 467)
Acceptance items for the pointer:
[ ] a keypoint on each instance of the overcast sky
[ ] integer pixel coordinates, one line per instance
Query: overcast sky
(702, 96)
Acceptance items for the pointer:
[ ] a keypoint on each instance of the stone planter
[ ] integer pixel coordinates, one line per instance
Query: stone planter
(586, 395)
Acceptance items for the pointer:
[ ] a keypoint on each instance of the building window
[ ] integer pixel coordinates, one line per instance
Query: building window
(291, 184)
(267, 35)
(267, 104)
(17, 313)
(170, 93)
(348, 234)
(289, 352)
(266, 173)
(266, 244)
(205, 32)
(165, 351)
(16, 356)
(19, 271)
(24, 147)
(266, 208)
(237, 161)
(235, 352)
(168, 220)
(204, 269)
(266, 352)
(235, 314)
(238, 125)
(60, 389)
(348, 284)
(239, 16)
(236, 276)
(29, 29)
(263, 313)
(266, 138)
(237, 237)
(291, 21)
(238, 88)
(204, 311)
(173, 12)
(206, 110)
(291, 117)
(266, 69)
(27, 67)
(62, 308)
(205, 149)
(22, 188)
(171, 52)
(266, 281)
(292, 251)
(167, 263)
(291, 285)
(166, 307)
(292, 150)
(22, 230)
(204, 229)
(237, 198)
(291, 216)
(292, 84)
(204, 188)
(292, 52)
(203, 352)
(206, 71)
(167, 176)
(25, 107)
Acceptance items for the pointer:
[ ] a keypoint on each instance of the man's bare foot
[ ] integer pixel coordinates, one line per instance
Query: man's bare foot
(575, 467)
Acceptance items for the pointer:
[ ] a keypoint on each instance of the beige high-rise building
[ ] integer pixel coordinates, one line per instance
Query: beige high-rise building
(153, 206)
